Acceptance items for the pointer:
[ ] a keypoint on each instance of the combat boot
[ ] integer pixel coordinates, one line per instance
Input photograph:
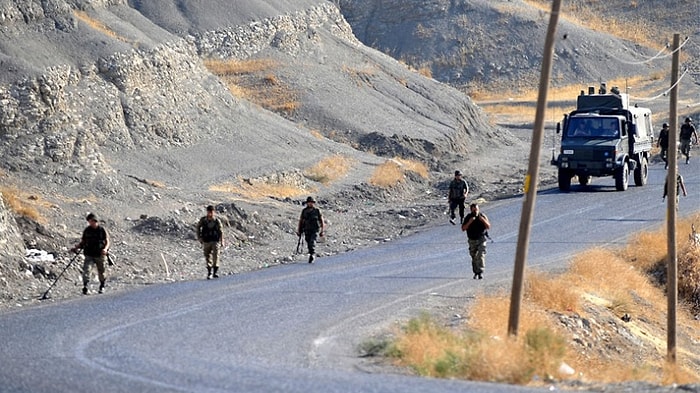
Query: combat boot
(102, 287)
(208, 273)
(216, 269)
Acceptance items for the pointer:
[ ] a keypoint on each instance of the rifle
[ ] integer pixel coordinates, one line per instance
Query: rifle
(300, 244)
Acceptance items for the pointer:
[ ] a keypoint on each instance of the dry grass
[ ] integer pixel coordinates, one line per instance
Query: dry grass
(256, 190)
(255, 81)
(329, 169)
(361, 76)
(520, 105)
(325, 171)
(589, 15)
(317, 134)
(425, 71)
(97, 25)
(387, 175)
(481, 353)
(24, 204)
(552, 293)
(615, 280)
(391, 172)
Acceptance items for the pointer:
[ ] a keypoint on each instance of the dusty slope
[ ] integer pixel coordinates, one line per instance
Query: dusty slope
(498, 44)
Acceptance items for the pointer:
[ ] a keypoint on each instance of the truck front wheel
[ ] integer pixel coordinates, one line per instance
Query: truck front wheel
(622, 177)
(564, 180)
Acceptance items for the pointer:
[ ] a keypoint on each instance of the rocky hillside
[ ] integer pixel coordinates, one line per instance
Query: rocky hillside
(118, 107)
(498, 44)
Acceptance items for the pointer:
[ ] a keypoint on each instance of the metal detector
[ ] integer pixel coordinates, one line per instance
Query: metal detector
(45, 295)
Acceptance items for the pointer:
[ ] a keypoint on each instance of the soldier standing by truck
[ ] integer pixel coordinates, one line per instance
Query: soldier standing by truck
(662, 142)
(687, 134)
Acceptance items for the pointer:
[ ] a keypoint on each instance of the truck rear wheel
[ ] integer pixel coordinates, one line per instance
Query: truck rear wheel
(584, 180)
(641, 172)
(564, 180)
(622, 178)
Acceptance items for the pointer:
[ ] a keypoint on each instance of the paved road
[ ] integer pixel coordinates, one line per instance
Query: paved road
(295, 328)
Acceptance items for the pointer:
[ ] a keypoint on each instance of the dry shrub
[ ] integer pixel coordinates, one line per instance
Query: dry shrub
(234, 67)
(387, 175)
(689, 275)
(481, 353)
(361, 76)
(612, 370)
(260, 190)
(97, 25)
(645, 249)
(551, 292)
(413, 166)
(316, 134)
(674, 373)
(254, 81)
(22, 205)
(329, 169)
(391, 172)
(538, 348)
(425, 71)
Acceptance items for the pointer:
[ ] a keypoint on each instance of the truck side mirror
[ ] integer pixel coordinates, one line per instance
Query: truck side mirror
(558, 128)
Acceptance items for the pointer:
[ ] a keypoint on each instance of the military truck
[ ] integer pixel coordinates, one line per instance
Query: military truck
(604, 136)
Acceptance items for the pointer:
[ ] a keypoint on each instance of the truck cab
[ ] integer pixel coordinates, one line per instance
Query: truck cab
(604, 136)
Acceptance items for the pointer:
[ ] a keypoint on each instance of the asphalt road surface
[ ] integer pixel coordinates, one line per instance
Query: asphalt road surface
(296, 327)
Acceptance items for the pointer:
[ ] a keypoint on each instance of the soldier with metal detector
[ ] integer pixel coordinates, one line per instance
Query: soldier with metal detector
(95, 244)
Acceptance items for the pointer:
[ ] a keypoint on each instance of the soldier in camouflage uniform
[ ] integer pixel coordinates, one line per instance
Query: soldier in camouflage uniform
(210, 234)
(95, 245)
(311, 225)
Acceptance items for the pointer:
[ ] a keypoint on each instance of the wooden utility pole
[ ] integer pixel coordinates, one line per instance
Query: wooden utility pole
(531, 178)
(672, 284)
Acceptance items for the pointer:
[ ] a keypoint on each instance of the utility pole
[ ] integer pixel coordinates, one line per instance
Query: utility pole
(672, 262)
(531, 178)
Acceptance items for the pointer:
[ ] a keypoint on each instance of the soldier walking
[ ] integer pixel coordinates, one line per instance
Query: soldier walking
(456, 196)
(476, 224)
(210, 234)
(311, 225)
(95, 245)
(687, 134)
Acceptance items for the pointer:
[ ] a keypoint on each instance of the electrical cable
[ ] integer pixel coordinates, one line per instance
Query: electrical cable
(658, 55)
(665, 93)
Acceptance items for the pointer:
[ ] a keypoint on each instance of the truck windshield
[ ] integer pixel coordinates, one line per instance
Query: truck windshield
(598, 127)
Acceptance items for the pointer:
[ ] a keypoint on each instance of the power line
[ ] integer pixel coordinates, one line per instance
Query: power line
(665, 93)
(659, 55)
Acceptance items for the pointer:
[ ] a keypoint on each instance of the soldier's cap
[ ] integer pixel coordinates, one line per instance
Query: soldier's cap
(665, 125)
(210, 208)
(310, 199)
(458, 173)
(688, 119)
(91, 217)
